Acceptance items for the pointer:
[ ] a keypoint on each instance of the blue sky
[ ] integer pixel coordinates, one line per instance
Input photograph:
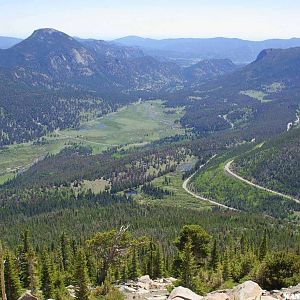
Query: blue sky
(107, 19)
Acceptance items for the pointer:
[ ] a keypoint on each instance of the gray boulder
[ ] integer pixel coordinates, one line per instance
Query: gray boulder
(248, 290)
(181, 293)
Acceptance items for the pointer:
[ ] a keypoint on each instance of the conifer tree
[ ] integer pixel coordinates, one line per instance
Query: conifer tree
(24, 260)
(81, 277)
(65, 251)
(263, 246)
(188, 266)
(134, 265)
(226, 267)
(214, 260)
(2, 278)
(158, 263)
(12, 280)
(150, 259)
(47, 277)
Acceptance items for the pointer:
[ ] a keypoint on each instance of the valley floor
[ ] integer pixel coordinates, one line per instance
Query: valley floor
(132, 125)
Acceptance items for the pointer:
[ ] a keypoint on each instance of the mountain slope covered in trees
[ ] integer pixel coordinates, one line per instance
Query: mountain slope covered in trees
(275, 164)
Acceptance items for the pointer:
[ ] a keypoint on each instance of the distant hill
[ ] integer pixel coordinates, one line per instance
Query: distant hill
(208, 69)
(260, 98)
(271, 66)
(7, 42)
(238, 50)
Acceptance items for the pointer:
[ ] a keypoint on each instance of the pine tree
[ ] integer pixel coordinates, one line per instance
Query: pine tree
(158, 263)
(65, 251)
(134, 266)
(2, 278)
(226, 267)
(150, 259)
(81, 277)
(263, 247)
(32, 271)
(47, 277)
(188, 266)
(214, 260)
(12, 280)
(24, 260)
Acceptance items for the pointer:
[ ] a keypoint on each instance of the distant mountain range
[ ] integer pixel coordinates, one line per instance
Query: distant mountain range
(7, 42)
(237, 50)
(40, 71)
(53, 59)
(188, 50)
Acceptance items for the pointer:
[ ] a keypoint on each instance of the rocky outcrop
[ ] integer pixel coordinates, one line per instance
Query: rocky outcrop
(248, 290)
(181, 293)
(147, 289)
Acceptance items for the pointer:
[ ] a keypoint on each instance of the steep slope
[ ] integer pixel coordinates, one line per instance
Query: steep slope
(271, 65)
(275, 165)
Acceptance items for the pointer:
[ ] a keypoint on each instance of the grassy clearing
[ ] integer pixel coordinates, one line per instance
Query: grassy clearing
(258, 95)
(133, 125)
(172, 182)
(96, 186)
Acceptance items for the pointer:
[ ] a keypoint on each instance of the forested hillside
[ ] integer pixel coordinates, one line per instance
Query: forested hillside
(262, 97)
(275, 164)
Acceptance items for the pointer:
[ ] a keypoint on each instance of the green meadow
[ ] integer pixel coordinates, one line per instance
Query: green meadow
(132, 125)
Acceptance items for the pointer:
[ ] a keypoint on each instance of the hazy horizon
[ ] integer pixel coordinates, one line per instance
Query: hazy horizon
(152, 37)
(249, 20)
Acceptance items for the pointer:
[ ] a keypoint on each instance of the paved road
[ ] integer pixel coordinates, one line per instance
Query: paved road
(186, 182)
(230, 172)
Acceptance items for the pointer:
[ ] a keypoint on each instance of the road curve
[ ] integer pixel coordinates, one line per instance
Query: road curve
(231, 173)
(185, 184)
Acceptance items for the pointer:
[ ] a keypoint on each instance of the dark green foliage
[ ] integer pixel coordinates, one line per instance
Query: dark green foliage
(47, 277)
(280, 269)
(214, 260)
(133, 269)
(12, 280)
(81, 277)
(263, 247)
(188, 268)
(24, 260)
(155, 192)
(199, 238)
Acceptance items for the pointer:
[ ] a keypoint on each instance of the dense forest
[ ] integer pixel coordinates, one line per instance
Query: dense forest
(87, 269)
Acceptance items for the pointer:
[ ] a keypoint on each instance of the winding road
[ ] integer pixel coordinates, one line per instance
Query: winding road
(185, 187)
(231, 173)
